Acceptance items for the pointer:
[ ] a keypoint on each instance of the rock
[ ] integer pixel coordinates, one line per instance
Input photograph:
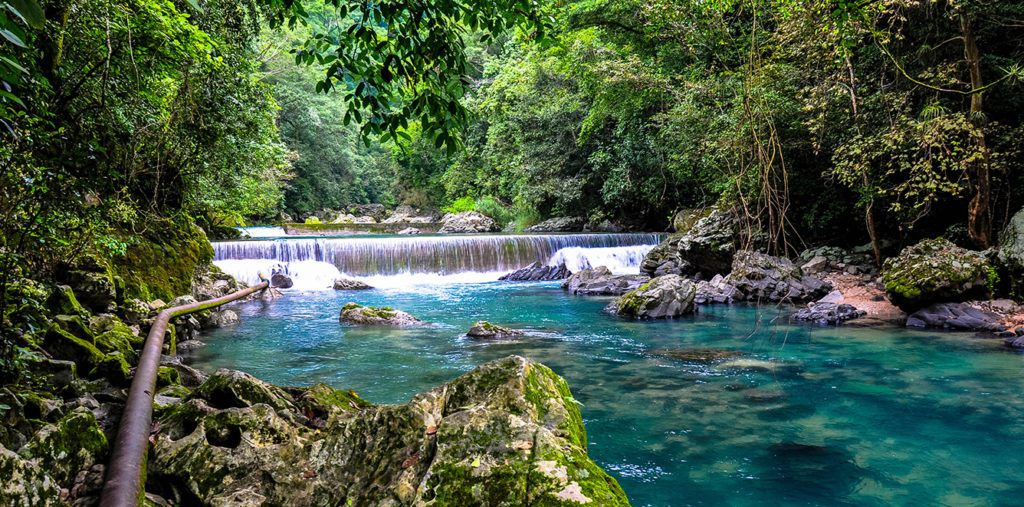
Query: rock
(25, 482)
(409, 230)
(352, 219)
(601, 282)
(222, 318)
(761, 277)
(559, 224)
(506, 433)
(717, 290)
(959, 316)
(73, 443)
(190, 345)
(764, 395)
(181, 301)
(664, 297)
(1011, 255)
(408, 214)
(706, 248)
(702, 356)
(359, 315)
(349, 284)
(467, 222)
(934, 271)
(832, 297)
(815, 265)
(189, 376)
(484, 329)
(63, 302)
(376, 211)
(210, 282)
(745, 364)
(829, 313)
(281, 281)
(157, 304)
(537, 272)
(95, 289)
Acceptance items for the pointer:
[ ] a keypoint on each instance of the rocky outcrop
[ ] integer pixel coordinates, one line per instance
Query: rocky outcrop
(25, 482)
(828, 313)
(359, 315)
(349, 284)
(281, 281)
(378, 212)
(221, 318)
(353, 219)
(467, 222)
(506, 433)
(537, 272)
(559, 224)
(935, 271)
(717, 291)
(664, 297)
(1011, 255)
(761, 277)
(601, 282)
(706, 247)
(408, 231)
(484, 329)
(409, 215)
(956, 316)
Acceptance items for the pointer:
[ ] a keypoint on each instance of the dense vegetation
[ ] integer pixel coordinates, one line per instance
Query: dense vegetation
(820, 119)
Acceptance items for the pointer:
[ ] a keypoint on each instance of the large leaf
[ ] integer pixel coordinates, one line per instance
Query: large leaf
(29, 11)
(11, 36)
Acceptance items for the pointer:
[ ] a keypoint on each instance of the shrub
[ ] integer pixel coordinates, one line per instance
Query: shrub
(312, 220)
(493, 208)
(461, 204)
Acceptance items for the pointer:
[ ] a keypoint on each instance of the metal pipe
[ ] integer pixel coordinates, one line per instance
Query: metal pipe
(124, 486)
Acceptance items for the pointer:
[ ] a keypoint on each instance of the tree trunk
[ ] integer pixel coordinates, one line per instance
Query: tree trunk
(979, 212)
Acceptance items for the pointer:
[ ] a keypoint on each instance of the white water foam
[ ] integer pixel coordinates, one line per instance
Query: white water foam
(621, 260)
(262, 232)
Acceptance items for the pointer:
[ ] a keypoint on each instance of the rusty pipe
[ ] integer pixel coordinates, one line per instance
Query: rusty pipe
(124, 486)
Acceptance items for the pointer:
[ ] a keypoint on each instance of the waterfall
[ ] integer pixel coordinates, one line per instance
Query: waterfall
(314, 263)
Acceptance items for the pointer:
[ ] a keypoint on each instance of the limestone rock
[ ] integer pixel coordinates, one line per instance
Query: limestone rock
(934, 271)
(506, 433)
(376, 211)
(1011, 254)
(559, 224)
(410, 215)
(484, 329)
(359, 315)
(537, 272)
(73, 443)
(349, 284)
(717, 290)
(761, 277)
(409, 231)
(664, 297)
(281, 281)
(467, 222)
(601, 282)
(25, 482)
(222, 318)
(958, 316)
(828, 313)
(707, 247)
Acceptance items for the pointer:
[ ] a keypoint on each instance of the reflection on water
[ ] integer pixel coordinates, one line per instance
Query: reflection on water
(805, 416)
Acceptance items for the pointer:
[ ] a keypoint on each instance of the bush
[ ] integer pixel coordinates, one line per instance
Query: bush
(461, 204)
(493, 208)
(312, 220)
(525, 217)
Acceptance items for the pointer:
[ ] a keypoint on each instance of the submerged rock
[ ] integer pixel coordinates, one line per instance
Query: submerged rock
(484, 329)
(506, 433)
(959, 316)
(703, 356)
(764, 395)
(829, 313)
(601, 282)
(349, 284)
(761, 277)
(467, 222)
(538, 272)
(664, 297)
(359, 315)
(559, 224)
(281, 281)
(934, 271)
(705, 243)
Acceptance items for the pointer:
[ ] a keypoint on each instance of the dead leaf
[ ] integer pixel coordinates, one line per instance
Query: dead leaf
(431, 430)
(411, 460)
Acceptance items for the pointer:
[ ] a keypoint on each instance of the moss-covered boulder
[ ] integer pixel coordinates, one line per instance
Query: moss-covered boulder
(161, 262)
(935, 271)
(73, 443)
(62, 301)
(485, 330)
(91, 361)
(705, 243)
(1011, 256)
(25, 483)
(664, 297)
(359, 315)
(765, 278)
(506, 433)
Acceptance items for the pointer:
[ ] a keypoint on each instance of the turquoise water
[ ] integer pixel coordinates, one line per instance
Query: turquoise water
(869, 417)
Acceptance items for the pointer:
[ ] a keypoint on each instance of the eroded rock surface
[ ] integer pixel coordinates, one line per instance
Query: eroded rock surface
(935, 271)
(761, 277)
(664, 297)
(705, 243)
(537, 272)
(349, 284)
(959, 316)
(467, 222)
(827, 313)
(601, 282)
(506, 433)
(484, 329)
(359, 315)
(559, 224)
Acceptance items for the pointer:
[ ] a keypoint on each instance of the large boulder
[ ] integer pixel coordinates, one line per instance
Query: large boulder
(408, 214)
(537, 272)
(506, 433)
(467, 222)
(359, 315)
(716, 290)
(559, 224)
(761, 277)
(600, 281)
(281, 281)
(706, 247)
(664, 297)
(25, 482)
(1011, 255)
(484, 329)
(350, 284)
(956, 316)
(74, 443)
(935, 271)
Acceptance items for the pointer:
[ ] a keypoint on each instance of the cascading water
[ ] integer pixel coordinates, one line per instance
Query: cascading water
(383, 261)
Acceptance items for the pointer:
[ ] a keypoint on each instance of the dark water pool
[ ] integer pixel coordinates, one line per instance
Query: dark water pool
(806, 416)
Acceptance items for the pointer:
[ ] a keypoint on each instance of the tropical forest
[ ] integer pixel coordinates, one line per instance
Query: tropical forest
(511, 252)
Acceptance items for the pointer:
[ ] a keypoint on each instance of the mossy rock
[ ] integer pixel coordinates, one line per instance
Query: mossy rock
(359, 315)
(75, 325)
(73, 443)
(62, 301)
(935, 271)
(229, 388)
(25, 483)
(160, 263)
(167, 376)
(1011, 257)
(118, 340)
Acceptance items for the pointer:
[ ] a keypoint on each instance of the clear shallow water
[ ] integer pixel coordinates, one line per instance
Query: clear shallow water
(871, 417)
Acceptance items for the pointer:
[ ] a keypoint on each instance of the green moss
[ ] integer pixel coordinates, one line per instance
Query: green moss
(160, 263)
(75, 442)
(350, 306)
(118, 340)
(63, 301)
(166, 376)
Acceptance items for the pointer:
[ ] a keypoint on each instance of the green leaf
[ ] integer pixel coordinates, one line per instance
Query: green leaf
(195, 5)
(29, 11)
(14, 39)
